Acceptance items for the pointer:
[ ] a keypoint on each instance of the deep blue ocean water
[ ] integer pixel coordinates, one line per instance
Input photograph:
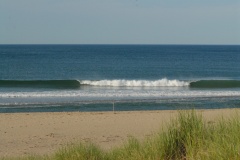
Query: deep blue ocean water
(39, 78)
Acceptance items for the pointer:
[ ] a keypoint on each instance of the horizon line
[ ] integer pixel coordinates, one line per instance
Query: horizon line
(117, 44)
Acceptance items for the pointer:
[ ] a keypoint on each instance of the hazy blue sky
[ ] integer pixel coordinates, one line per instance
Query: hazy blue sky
(120, 21)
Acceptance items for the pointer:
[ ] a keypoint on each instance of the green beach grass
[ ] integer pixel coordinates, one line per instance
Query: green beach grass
(188, 136)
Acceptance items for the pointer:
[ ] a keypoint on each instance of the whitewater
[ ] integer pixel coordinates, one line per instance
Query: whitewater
(137, 83)
(95, 91)
(113, 94)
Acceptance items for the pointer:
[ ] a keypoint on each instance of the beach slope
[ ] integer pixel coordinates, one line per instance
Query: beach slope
(44, 133)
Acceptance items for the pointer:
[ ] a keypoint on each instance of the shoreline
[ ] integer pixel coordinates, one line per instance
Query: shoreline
(45, 132)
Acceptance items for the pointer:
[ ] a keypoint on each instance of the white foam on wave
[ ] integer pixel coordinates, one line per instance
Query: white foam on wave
(136, 83)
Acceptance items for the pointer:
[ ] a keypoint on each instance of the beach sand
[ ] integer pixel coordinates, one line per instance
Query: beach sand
(43, 133)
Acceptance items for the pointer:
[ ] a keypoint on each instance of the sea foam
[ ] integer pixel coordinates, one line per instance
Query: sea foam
(136, 83)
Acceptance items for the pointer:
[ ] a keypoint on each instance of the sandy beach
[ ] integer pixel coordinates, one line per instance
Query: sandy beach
(44, 133)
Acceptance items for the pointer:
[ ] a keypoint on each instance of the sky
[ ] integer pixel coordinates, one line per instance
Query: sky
(119, 22)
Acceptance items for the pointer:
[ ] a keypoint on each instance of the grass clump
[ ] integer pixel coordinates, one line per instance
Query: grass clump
(190, 137)
(186, 137)
(79, 151)
(223, 140)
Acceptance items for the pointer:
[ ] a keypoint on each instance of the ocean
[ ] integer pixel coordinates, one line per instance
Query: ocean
(62, 78)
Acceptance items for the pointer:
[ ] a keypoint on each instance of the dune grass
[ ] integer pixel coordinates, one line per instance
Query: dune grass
(186, 137)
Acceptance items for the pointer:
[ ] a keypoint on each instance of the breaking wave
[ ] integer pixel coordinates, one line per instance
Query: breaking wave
(75, 84)
(78, 83)
(137, 83)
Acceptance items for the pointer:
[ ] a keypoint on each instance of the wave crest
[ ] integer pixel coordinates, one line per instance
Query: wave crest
(137, 83)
